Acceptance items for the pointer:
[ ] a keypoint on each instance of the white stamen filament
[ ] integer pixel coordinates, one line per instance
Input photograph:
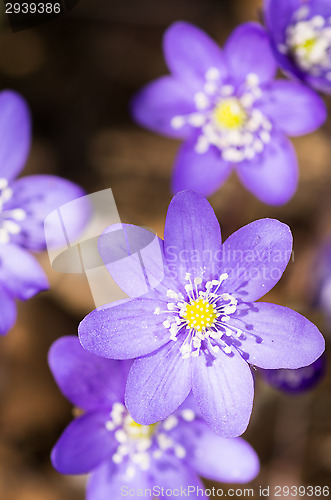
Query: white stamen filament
(203, 317)
(233, 129)
(138, 444)
(308, 41)
(9, 219)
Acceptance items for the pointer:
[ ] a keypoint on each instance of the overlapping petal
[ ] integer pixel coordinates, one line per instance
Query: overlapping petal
(110, 482)
(278, 14)
(272, 176)
(38, 196)
(224, 390)
(20, 273)
(84, 444)
(158, 103)
(88, 381)
(223, 459)
(158, 384)
(255, 258)
(192, 236)
(277, 337)
(133, 256)
(175, 475)
(320, 8)
(15, 131)
(247, 51)
(189, 53)
(125, 329)
(295, 108)
(204, 173)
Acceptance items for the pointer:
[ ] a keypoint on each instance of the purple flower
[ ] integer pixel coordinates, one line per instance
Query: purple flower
(201, 328)
(24, 204)
(118, 451)
(230, 111)
(299, 380)
(301, 39)
(321, 286)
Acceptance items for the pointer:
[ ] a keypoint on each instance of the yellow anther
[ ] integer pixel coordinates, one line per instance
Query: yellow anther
(199, 314)
(138, 431)
(229, 114)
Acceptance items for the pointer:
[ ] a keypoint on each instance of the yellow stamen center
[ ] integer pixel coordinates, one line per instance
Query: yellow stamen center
(137, 431)
(308, 45)
(200, 314)
(229, 114)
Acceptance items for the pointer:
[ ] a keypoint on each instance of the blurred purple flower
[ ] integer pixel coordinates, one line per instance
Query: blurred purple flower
(201, 328)
(24, 203)
(301, 37)
(230, 111)
(119, 452)
(299, 380)
(321, 284)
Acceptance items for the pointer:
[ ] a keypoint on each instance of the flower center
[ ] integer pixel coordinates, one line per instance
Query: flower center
(308, 40)
(308, 45)
(229, 114)
(138, 431)
(228, 118)
(9, 219)
(139, 444)
(202, 318)
(200, 314)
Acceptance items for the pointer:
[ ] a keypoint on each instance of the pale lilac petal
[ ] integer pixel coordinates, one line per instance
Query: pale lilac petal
(320, 8)
(88, 381)
(222, 459)
(308, 111)
(192, 236)
(172, 474)
(190, 53)
(133, 257)
(124, 330)
(255, 258)
(202, 172)
(15, 131)
(20, 272)
(248, 50)
(110, 482)
(158, 384)
(278, 14)
(158, 103)
(84, 444)
(224, 390)
(38, 196)
(276, 337)
(272, 176)
(8, 311)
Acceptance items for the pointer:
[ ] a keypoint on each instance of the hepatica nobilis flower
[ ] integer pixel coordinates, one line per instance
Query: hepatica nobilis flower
(201, 328)
(230, 111)
(24, 203)
(106, 441)
(301, 37)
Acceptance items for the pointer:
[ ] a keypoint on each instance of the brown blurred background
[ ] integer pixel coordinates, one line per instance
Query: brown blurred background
(78, 73)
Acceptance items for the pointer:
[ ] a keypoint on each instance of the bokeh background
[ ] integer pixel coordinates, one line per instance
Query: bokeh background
(78, 73)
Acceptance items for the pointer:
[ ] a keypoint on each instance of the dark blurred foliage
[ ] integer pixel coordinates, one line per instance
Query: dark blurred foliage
(78, 74)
